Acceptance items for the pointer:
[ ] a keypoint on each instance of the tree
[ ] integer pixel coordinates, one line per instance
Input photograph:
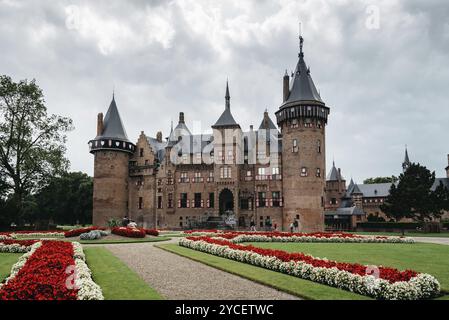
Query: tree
(440, 200)
(32, 143)
(392, 179)
(413, 196)
(66, 199)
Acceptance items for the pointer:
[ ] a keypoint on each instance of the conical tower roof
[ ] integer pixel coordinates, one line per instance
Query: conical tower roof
(302, 88)
(267, 123)
(113, 127)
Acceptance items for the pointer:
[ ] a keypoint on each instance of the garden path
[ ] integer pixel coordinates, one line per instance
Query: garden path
(176, 277)
(435, 240)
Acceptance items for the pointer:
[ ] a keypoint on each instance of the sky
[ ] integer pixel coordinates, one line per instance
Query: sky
(381, 67)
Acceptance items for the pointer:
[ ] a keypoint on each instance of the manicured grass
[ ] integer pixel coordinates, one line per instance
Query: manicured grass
(6, 262)
(293, 285)
(422, 257)
(116, 279)
(407, 234)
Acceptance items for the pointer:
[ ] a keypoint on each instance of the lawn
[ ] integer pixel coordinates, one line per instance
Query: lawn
(116, 279)
(423, 257)
(293, 285)
(6, 262)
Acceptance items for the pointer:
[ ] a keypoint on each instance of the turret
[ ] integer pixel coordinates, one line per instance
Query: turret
(111, 149)
(302, 118)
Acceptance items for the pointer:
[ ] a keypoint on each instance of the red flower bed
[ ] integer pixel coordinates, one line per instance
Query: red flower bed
(129, 232)
(25, 243)
(152, 232)
(390, 274)
(203, 231)
(77, 232)
(43, 277)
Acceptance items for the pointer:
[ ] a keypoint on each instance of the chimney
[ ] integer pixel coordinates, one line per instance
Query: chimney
(286, 86)
(251, 127)
(339, 174)
(159, 136)
(100, 124)
(181, 117)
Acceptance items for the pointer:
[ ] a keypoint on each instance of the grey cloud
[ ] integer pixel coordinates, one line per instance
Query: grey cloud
(386, 88)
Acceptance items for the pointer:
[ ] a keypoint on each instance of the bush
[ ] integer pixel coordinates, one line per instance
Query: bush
(152, 232)
(114, 223)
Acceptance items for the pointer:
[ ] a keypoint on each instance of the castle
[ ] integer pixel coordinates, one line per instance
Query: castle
(257, 175)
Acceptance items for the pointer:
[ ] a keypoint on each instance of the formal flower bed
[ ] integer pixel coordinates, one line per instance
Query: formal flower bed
(32, 234)
(129, 232)
(389, 283)
(309, 237)
(51, 270)
(78, 232)
(16, 246)
(240, 236)
(152, 232)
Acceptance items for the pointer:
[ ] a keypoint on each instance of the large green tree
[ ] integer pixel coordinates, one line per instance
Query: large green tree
(32, 142)
(414, 198)
(65, 200)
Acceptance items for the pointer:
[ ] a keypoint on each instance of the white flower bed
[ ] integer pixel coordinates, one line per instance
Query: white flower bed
(87, 288)
(21, 262)
(423, 286)
(5, 237)
(336, 239)
(13, 248)
(37, 235)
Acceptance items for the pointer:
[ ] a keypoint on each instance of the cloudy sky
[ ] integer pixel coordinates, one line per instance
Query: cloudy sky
(381, 66)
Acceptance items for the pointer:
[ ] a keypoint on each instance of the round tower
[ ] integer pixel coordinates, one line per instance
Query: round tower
(111, 149)
(302, 118)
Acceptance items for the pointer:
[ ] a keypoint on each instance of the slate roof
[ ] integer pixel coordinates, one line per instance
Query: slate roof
(112, 124)
(226, 119)
(267, 123)
(334, 175)
(349, 211)
(302, 88)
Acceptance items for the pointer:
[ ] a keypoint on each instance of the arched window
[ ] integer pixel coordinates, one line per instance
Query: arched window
(318, 144)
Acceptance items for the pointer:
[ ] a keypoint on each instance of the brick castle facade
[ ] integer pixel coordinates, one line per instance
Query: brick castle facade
(272, 173)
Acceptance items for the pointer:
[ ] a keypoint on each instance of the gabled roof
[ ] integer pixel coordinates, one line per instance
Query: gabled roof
(112, 124)
(356, 190)
(267, 123)
(302, 88)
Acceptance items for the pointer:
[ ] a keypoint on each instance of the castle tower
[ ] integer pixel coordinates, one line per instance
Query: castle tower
(302, 118)
(111, 149)
(227, 154)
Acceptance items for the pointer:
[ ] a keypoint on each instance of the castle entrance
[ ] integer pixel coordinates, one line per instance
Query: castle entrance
(226, 201)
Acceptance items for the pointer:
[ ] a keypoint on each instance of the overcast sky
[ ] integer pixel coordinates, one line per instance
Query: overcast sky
(381, 66)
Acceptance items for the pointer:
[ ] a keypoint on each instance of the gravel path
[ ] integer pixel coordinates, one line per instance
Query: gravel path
(436, 240)
(176, 277)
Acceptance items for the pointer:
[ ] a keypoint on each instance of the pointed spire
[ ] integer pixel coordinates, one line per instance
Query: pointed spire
(406, 162)
(333, 174)
(227, 96)
(226, 118)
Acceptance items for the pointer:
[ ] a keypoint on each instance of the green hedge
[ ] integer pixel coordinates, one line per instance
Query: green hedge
(389, 225)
